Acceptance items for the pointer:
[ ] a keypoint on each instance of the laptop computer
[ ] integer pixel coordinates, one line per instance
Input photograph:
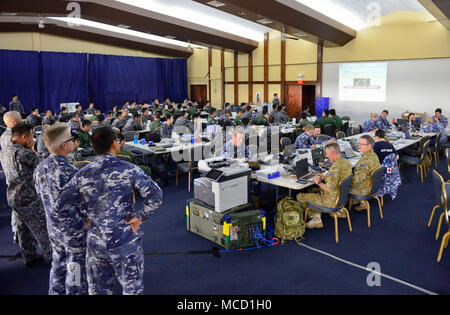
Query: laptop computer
(317, 156)
(301, 168)
(302, 171)
(348, 151)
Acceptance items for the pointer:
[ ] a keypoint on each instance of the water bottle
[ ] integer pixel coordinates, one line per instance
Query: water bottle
(421, 128)
(136, 140)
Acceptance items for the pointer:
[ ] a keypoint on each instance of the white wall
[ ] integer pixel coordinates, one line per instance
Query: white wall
(412, 85)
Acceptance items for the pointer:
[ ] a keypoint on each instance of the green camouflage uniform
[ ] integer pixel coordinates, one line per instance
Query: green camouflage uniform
(212, 121)
(361, 178)
(340, 169)
(337, 122)
(323, 121)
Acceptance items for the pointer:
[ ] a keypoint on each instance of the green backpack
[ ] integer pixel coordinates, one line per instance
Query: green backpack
(289, 223)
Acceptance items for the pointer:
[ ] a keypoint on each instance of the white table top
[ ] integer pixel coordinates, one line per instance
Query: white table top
(176, 147)
(287, 182)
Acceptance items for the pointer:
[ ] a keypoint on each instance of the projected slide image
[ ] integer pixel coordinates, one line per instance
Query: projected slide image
(363, 82)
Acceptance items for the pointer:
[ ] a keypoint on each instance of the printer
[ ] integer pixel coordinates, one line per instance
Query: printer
(224, 184)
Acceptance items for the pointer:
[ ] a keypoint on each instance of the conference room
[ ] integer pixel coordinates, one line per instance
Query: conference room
(214, 148)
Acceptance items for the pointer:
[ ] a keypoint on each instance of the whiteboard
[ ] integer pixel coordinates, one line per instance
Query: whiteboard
(412, 85)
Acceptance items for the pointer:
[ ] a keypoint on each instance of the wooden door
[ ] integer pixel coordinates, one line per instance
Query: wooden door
(294, 100)
(199, 94)
(309, 97)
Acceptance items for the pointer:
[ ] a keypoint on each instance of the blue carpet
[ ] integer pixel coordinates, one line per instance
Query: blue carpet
(401, 243)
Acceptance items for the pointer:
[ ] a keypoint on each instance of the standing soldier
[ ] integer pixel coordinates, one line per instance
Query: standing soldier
(106, 190)
(66, 228)
(21, 233)
(16, 105)
(369, 161)
(21, 162)
(329, 186)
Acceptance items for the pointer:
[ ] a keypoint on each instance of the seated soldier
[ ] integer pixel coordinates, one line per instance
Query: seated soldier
(440, 118)
(156, 123)
(237, 119)
(361, 177)
(263, 119)
(323, 138)
(183, 123)
(134, 124)
(75, 155)
(306, 139)
(370, 125)
(121, 138)
(303, 121)
(382, 122)
(212, 120)
(329, 186)
(324, 120)
(120, 120)
(167, 127)
(74, 122)
(236, 149)
(83, 134)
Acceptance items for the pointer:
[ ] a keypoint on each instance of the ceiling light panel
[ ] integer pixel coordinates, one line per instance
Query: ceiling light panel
(336, 12)
(124, 31)
(204, 15)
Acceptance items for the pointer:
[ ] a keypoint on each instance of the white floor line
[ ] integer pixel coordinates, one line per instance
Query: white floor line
(369, 270)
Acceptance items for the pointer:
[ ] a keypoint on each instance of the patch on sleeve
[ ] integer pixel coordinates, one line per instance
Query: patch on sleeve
(362, 165)
(330, 174)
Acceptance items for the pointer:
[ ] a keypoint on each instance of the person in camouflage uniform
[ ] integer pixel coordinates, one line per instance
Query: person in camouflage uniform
(21, 160)
(134, 124)
(66, 228)
(382, 122)
(306, 139)
(212, 119)
(21, 233)
(106, 188)
(329, 190)
(361, 177)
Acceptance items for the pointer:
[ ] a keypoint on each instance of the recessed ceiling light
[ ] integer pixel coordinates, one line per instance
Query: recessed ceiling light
(8, 14)
(170, 37)
(120, 30)
(300, 34)
(123, 26)
(216, 4)
(264, 21)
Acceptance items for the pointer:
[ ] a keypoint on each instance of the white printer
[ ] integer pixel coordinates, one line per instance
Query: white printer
(225, 184)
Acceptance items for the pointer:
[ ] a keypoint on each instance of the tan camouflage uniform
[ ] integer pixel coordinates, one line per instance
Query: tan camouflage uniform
(340, 169)
(361, 177)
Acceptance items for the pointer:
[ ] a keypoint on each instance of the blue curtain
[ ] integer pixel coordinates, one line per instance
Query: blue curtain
(19, 74)
(64, 79)
(116, 79)
(47, 79)
(174, 79)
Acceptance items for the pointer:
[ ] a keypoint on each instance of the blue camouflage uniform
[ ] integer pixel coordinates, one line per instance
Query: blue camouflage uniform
(369, 125)
(437, 127)
(21, 232)
(66, 229)
(106, 188)
(304, 141)
(382, 124)
(318, 141)
(392, 179)
(230, 151)
(166, 130)
(22, 197)
(443, 120)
